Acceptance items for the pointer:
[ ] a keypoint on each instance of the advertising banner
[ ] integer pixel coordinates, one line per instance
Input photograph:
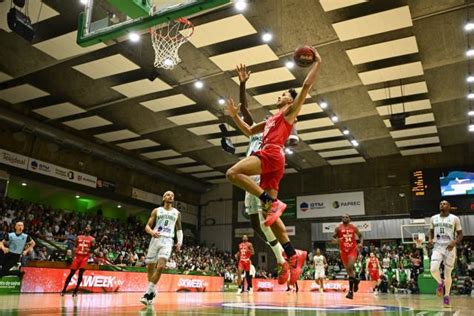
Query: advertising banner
(51, 170)
(105, 185)
(364, 226)
(291, 230)
(239, 232)
(47, 280)
(147, 196)
(271, 285)
(12, 159)
(9, 285)
(330, 205)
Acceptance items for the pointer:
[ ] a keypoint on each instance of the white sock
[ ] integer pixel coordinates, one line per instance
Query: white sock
(278, 251)
(151, 288)
(448, 280)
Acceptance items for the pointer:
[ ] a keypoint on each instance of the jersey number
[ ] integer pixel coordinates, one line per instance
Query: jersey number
(441, 230)
(166, 222)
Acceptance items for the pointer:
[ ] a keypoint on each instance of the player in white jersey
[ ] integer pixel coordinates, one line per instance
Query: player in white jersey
(253, 206)
(164, 220)
(445, 234)
(320, 265)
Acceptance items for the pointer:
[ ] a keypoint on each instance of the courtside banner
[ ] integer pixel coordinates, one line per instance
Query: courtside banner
(271, 285)
(47, 280)
(330, 205)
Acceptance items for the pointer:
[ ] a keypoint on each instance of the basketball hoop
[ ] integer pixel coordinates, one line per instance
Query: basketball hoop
(166, 41)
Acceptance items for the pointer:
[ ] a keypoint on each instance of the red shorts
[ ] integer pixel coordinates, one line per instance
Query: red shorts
(79, 262)
(374, 275)
(244, 265)
(351, 254)
(272, 158)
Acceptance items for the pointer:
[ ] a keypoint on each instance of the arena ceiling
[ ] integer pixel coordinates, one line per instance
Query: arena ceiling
(380, 57)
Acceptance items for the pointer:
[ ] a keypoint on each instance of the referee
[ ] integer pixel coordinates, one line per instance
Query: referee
(13, 246)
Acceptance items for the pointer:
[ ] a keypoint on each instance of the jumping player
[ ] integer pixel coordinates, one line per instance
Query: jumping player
(84, 244)
(320, 265)
(13, 246)
(165, 220)
(253, 206)
(345, 234)
(445, 234)
(373, 268)
(245, 252)
(269, 162)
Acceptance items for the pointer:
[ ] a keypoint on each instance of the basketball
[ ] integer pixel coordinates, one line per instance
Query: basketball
(304, 56)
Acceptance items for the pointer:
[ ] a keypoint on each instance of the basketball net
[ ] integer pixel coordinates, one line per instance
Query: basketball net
(167, 39)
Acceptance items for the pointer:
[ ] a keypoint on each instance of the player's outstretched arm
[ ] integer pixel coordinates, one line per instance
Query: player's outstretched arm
(150, 223)
(179, 233)
(359, 235)
(308, 83)
(232, 110)
(244, 75)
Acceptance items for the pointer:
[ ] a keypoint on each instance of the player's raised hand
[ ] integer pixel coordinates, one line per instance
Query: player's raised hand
(316, 55)
(231, 109)
(244, 75)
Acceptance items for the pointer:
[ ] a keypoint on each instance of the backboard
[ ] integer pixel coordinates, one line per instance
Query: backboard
(412, 232)
(107, 20)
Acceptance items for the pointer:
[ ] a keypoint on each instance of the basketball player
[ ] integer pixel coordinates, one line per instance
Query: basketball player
(345, 235)
(269, 162)
(373, 268)
(445, 234)
(165, 219)
(13, 246)
(84, 244)
(320, 265)
(245, 252)
(253, 206)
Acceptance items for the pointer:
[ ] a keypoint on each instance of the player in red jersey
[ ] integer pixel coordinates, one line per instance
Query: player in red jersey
(243, 255)
(269, 162)
(373, 268)
(345, 234)
(84, 244)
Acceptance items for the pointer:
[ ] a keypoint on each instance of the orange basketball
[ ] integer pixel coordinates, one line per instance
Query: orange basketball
(304, 56)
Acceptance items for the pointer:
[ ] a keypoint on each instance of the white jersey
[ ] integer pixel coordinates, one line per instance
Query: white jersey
(165, 221)
(255, 144)
(318, 262)
(445, 228)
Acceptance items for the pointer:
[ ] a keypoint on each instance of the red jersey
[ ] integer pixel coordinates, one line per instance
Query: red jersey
(277, 130)
(347, 239)
(83, 245)
(244, 251)
(373, 264)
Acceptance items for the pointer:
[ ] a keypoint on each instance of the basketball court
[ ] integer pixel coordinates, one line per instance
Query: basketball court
(231, 304)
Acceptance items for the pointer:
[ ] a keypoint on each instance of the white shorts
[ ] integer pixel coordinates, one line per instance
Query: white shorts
(160, 247)
(253, 204)
(445, 256)
(319, 274)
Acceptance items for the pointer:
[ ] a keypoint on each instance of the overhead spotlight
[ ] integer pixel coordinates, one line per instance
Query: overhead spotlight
(290, 65)
(23, 184)
(168, 62)
(469, 26)
(20, 23)
(19, 3)
(240, 5)
(199, 84)
(470, 78)
(346, 131)
(289, 151)
(470, 113)
(354, 143)
(77, 196)
(470, 52)
(267, 37)
(470, 96)
(323, 105)
(471, 128)
(334, 118)
(134, 37)
(119, 206)
(221, 101)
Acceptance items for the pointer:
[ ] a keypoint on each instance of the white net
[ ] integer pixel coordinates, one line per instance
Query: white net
(167, 40)
(411, 233)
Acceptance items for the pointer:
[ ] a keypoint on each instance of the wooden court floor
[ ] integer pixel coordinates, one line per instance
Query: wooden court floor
(275, 303)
